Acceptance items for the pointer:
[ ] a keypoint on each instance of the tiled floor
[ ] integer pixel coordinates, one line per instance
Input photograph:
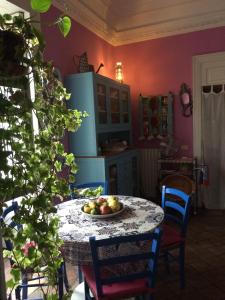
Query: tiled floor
(205, 262)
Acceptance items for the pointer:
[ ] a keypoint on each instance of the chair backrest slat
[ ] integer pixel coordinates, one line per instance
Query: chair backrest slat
(12, 208)
(175, 206)
(179, 213)
(7, 219)
(148, 256)
(124, 259)
(124, 278)
(126, 239)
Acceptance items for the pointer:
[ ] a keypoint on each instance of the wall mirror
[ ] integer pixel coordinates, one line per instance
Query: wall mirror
(186, 100)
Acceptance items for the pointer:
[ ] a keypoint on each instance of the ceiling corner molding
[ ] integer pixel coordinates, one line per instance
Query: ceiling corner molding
(168, 29)
(161, 20)
(86, 17)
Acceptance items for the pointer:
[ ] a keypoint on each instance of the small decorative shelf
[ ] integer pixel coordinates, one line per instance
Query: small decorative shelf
(156, 116)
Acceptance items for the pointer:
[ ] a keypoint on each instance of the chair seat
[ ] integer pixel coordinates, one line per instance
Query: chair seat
(116, 290)
(170, 237)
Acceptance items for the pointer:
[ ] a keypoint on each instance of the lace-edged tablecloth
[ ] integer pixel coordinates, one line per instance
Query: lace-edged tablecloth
(139, 216)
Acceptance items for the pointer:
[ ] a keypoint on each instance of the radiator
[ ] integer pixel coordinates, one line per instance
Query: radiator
(148, 166)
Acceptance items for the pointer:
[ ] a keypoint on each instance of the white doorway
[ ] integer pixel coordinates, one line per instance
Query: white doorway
(208, 131)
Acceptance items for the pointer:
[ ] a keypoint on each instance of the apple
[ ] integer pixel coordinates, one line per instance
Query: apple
(105, 209)
(101, 200)
(116, 207)
(94, 211)
(87, 209)
(92, 204)
(112, 198)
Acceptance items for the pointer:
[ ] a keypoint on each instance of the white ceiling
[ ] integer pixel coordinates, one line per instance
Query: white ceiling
(7, 7)
(126, 21)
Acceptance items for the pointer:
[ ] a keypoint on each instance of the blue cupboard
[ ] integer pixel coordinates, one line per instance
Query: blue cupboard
(103, 143)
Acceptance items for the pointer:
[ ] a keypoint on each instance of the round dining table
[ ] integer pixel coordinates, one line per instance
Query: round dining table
(138, 216)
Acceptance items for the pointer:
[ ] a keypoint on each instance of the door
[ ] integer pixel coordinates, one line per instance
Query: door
(208, 112)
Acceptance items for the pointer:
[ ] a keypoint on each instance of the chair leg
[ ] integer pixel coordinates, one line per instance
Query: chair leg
(66, 282)
(80, 275)
(151, 297)
(17, 293)
(87, 292)
(166, 260)
(25, 288)
(181, 264)
(147, 297)
(61, 272)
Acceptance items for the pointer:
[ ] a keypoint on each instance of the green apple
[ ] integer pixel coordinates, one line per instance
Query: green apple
(112, 199)
(94, 211)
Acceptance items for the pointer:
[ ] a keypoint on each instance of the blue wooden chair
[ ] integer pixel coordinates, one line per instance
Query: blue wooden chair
(176, 205)
(91, 185)
(7, 219)
(117, 285)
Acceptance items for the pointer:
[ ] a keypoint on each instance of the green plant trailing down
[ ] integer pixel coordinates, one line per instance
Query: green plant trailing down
(31, 164)
(89, 192)
(63, 22)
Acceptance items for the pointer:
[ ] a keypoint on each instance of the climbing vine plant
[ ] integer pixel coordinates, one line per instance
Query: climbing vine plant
(32, 163)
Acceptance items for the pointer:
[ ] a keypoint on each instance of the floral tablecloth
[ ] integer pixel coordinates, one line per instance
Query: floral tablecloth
(139, 216)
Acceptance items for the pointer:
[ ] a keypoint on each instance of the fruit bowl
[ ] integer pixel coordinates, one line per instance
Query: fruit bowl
(103, 208)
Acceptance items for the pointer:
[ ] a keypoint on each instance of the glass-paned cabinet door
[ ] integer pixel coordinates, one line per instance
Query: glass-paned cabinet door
(101, 101)
(164, 115)
(125, 106)
(114, 105)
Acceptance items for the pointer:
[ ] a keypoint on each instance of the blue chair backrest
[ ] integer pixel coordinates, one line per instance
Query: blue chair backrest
(93, 185)
(7, 218)
(150, 256)
(176, 205)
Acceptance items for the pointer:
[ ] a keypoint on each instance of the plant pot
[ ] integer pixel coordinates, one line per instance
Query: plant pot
(13, 47)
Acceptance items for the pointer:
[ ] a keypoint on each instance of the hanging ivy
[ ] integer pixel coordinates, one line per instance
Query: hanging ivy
(32, 163)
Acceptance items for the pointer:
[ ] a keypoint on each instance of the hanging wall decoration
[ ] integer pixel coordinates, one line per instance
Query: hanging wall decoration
(186, 100)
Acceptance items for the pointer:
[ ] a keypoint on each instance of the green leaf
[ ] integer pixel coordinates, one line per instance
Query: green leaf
(15, 273)
(41, 5)
(59, 148)
(10, 284)
(74, 169)
(58, 166)
(64, 25)
(71, 178)
(40, 38)
(69, 159)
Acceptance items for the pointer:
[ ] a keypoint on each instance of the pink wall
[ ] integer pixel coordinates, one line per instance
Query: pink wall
(161, 65)
(150, 67)
(61, 50)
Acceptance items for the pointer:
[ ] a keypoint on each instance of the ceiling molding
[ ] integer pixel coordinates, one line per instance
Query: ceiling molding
(145, 21)
(78, 11)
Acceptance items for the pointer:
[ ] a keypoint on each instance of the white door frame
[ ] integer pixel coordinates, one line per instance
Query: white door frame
(198, 62)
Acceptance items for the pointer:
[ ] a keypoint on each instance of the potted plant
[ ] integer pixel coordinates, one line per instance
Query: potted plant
(31, 162)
